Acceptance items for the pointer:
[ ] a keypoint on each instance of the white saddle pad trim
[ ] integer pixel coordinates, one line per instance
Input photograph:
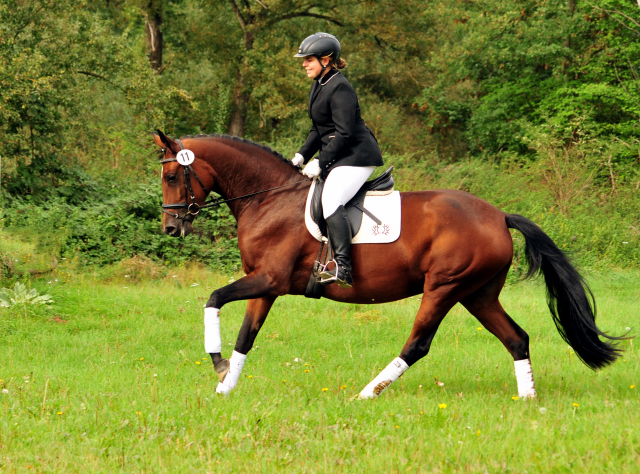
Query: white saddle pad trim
(384, 205)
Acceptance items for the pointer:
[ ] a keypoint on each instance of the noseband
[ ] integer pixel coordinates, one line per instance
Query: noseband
(194, 208)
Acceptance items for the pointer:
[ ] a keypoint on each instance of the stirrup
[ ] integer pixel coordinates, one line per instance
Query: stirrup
(327, 277)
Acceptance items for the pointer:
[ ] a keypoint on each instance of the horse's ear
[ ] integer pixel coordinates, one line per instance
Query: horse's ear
(164, 142)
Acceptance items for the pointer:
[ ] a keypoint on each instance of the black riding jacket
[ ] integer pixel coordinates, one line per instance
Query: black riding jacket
(338, 131)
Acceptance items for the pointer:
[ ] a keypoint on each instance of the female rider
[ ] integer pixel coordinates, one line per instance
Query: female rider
(348, 150)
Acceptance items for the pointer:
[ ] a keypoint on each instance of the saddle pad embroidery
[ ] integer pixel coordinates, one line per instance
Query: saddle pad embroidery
(385, 207)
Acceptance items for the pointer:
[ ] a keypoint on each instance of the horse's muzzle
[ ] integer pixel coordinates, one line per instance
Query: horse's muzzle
(178, 228)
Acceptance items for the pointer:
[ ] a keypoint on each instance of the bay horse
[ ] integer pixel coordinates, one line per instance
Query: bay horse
(453, 248)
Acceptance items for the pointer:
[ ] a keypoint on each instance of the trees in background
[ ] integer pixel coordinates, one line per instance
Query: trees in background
(83, 83)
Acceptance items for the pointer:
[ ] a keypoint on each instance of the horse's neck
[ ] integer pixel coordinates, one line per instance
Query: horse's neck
(245, 169)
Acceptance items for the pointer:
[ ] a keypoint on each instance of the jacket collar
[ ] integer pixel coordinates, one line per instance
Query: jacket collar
(317, 86)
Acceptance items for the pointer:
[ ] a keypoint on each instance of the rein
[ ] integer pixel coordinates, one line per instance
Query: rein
(194, 208)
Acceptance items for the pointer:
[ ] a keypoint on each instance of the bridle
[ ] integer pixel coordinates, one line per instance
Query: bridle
(193, 208)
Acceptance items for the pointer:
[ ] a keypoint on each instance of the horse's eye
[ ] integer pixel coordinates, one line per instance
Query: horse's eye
(171, 178)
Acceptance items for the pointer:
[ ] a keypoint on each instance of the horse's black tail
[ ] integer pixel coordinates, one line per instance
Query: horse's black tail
(569, 298)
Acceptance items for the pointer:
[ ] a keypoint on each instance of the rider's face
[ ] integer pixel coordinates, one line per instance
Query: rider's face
(313, 66)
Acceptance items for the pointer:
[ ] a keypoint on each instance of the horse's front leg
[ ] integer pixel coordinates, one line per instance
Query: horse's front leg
(261, 292)
(257, 310)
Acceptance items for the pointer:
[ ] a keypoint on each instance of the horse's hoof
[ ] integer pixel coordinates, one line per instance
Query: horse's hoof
(221, 369)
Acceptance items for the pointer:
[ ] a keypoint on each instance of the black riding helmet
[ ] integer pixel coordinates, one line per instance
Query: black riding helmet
(320, 45)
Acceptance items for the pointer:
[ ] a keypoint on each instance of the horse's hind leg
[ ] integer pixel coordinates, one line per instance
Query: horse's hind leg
(486, 307)
(434, 307)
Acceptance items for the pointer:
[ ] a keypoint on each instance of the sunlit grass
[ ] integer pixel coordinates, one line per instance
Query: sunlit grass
(114, 378)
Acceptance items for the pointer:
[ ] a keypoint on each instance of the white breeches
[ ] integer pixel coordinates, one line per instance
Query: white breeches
(341, 185)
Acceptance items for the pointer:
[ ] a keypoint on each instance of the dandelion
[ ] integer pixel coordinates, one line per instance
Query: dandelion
(306, 365)
(514, 398)
(543, 411)
(422, 413)
(198, 362)
(307, 370)
(141, 358)
(325, 389)
(632, 386)
(138, 413)
(397, 427)
(443, 405)
(204, 358)
(480, 328)
(59, 413)
(576, 405)
(250, 376)
(343, 387)
(391, 414)
(478, 433)
(284, 380)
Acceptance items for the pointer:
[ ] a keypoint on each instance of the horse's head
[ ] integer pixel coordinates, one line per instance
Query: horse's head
(186, 181)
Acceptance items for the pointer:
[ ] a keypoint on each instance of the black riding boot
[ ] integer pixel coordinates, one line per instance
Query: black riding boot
(339, 232)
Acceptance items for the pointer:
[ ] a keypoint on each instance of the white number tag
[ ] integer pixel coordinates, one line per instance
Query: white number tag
(185, 157)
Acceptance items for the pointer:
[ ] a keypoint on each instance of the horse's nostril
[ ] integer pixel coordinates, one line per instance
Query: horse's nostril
(169, 229)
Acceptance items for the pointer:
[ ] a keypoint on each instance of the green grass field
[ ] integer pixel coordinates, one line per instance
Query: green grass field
(114, 378)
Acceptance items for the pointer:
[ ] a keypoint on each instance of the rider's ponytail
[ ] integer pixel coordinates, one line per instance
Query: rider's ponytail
(341, 63)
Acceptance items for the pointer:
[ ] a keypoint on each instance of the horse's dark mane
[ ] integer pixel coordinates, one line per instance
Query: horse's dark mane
(244, 140)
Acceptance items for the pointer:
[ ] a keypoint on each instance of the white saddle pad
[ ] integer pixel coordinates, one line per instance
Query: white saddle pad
(384, 205)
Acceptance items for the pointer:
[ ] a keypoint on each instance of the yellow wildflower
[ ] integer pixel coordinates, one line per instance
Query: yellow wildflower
(514, 398)
(576, 405)
(633, 386)
(325, 389)
(443, 405)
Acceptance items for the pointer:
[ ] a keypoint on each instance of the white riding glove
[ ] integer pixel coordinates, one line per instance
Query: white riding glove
(312, 169)
(297, 160)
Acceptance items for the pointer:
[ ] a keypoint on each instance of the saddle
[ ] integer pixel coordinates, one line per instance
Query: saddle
(355, 207)
(355, 210)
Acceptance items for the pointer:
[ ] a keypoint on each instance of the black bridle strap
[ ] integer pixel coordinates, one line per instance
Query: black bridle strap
(216, 202)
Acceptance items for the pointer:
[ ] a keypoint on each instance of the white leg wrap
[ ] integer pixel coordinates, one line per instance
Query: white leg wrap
(212, 341)
(236, 361)
(390, 374)
(524, 376)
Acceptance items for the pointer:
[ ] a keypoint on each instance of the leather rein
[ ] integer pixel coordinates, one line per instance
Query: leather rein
(194, 208)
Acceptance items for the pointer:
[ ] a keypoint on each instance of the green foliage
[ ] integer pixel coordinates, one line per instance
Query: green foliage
(549, 88)
(501, 66)
(53, 53)
(21, 296)
(124, 224)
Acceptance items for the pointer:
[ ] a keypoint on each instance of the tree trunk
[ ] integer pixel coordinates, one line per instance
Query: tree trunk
(239, 114)
(153, 20)
(567, 62)
(240, 95)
